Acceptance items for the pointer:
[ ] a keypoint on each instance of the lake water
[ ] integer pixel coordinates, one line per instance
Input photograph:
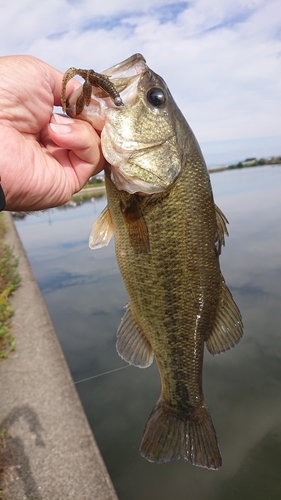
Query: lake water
(85, 297)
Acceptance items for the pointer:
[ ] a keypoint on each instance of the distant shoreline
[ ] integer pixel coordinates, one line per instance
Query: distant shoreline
(222, 169)
(249, 162)
(91, 189)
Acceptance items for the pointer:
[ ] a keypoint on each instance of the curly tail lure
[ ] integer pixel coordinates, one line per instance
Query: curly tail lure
(92, 79)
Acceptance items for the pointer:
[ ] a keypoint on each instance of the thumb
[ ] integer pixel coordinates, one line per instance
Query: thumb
(78, 137)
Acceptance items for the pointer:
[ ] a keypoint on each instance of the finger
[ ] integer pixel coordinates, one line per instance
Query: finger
(76, 135)
(74, 143)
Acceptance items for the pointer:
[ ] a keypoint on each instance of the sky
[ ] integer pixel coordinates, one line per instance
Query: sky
(221, 59)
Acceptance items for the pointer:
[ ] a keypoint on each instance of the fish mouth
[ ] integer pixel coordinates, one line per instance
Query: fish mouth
(132, 66)
(124, 76)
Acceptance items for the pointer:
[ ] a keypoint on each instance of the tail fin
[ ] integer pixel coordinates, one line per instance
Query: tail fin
(171, 435)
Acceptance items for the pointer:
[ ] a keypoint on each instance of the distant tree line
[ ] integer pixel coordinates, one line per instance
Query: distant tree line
(96, 180)
(254, 162)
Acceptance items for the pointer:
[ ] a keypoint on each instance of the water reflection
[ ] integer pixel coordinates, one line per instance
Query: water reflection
(85, 296)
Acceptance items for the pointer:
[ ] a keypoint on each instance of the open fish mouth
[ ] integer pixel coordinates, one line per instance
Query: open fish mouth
(124, 77)
(132, 66)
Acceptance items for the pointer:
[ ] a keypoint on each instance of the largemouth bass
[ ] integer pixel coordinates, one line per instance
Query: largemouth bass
(168, 237)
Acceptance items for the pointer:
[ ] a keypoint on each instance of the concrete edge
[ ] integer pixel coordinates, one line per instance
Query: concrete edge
(50, 451)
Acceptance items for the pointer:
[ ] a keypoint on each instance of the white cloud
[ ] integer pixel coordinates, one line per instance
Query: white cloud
(221, 59)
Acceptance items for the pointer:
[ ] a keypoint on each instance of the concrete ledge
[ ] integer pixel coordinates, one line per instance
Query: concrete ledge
(49, 450)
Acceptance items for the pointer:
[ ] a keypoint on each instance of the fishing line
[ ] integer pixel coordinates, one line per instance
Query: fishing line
(91, 378)
(101, 374)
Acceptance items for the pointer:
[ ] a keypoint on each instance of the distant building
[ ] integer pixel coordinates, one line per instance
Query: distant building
(249, 161)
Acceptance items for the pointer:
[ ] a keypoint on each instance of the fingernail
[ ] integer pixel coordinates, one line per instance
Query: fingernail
(60, 129)
(62, 119)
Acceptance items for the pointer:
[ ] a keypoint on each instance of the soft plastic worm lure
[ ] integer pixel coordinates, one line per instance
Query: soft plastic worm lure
(92, 79)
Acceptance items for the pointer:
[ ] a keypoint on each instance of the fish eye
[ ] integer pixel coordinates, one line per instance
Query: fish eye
(156, 97)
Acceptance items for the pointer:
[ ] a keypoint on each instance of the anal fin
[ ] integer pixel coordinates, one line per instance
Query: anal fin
(228, 326)
(132, 345)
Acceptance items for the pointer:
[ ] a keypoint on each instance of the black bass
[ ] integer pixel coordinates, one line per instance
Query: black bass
(168, 236)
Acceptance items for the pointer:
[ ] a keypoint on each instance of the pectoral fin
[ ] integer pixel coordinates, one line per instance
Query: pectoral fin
(132, 345)
(135, 225)
(228, 326)
(102, 230)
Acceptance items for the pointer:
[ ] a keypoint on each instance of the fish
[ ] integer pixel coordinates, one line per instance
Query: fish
(168, 235)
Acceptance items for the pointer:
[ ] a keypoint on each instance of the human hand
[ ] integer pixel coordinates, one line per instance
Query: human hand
(44, 158)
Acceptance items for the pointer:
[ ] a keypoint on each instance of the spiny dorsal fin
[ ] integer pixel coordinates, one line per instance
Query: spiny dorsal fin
(221, 230)
(102, 230)
(132, 345)
(228, 326)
